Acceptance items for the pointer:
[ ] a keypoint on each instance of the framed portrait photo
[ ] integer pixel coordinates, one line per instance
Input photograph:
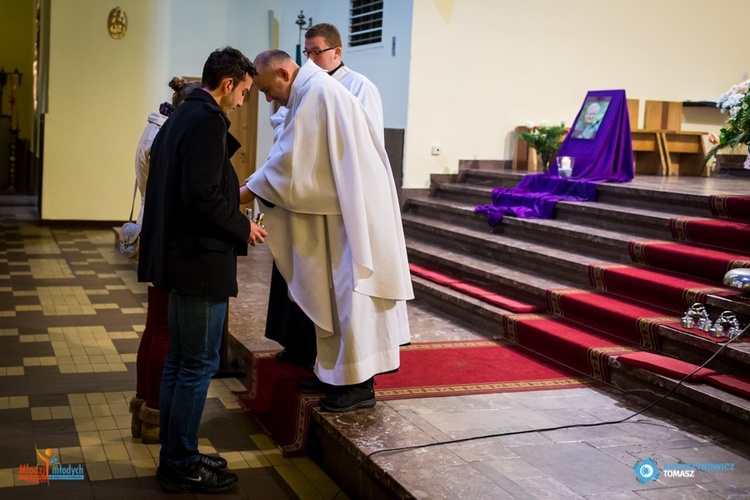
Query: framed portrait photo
(590, 117)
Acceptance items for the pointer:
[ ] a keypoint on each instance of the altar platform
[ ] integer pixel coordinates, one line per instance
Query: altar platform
(516, 460)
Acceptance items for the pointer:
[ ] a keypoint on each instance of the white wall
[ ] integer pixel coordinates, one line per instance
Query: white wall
(390, 73)
(482, 67)
(473, 71)
(240, 24)
(101, 90)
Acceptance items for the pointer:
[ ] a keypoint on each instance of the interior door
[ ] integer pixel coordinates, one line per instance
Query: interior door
(244, 128)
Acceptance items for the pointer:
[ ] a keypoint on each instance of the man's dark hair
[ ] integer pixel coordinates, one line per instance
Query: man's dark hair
(226, 63)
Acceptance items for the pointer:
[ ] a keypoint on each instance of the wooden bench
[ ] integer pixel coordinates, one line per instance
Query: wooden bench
(524, 156)
(678, 152)
(648, 152)
(685, 153)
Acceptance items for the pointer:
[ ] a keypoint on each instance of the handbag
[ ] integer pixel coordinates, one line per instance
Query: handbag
(130, 233)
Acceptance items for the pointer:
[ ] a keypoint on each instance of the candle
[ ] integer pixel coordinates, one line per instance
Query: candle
(565, 163)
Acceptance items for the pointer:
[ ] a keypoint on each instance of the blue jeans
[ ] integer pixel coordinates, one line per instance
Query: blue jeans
(196, 326)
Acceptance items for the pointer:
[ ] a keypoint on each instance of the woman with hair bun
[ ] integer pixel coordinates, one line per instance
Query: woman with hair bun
(152, 351)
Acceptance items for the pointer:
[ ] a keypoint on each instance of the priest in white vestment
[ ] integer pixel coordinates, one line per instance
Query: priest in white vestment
(335, 227)
(285, 321)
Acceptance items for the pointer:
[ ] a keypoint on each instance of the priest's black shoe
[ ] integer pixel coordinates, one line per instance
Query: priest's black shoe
(313, 385)
(197, 478)
(349, 397)
(302, 360)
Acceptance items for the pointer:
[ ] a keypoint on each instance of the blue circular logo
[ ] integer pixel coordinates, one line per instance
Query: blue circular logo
(646, 470)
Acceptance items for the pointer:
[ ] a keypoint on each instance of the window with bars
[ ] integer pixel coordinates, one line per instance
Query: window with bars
(365, 22)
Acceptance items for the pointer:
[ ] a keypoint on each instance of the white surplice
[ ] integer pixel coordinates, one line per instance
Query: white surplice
(360, 86)
(367, 93)
(335, 231)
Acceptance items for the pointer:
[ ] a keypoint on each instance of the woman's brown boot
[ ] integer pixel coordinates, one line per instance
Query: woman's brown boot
(150, 427)
(135, 420)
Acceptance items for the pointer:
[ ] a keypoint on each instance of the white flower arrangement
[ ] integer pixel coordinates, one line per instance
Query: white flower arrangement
(736, 103)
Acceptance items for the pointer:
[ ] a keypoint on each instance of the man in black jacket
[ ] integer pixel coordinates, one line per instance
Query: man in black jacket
(192, 233)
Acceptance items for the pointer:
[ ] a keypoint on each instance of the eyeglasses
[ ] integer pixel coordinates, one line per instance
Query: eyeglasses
(309, 53)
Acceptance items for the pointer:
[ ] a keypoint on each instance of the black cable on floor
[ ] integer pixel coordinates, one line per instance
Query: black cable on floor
(546, 429)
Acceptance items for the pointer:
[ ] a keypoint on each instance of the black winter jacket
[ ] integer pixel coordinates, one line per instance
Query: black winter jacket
(192, 227)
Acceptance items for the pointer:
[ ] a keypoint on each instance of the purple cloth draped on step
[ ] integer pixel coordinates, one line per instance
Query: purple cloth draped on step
(535, 197)
(608, 157)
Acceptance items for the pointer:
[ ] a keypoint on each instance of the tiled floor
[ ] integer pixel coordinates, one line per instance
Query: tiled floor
(70, 317)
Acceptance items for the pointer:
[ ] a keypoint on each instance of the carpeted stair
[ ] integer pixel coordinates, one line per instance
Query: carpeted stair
(606, 291)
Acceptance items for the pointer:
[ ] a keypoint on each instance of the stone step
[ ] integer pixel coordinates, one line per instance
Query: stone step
(621, 194)
(523, 258)
(509, 281)
(734, 357)
(482, 318)
(557, 251)
(470, 194)
(636, 221)
(678, 204)
(576, 236)
(592, 241)
(737, 304)
(492, 178)
(711, 406)
(556, 263)
(715, 402)
(532, 289)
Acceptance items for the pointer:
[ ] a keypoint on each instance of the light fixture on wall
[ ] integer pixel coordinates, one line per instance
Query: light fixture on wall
(301, 23)
(117, 23)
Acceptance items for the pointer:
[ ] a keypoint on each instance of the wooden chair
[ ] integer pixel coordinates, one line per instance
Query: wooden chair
(663, 115)
(681, 153)
(634, 107)
(648, 148)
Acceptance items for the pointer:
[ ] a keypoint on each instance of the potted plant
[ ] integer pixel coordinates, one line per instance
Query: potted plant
(736, 103)
(545, 139)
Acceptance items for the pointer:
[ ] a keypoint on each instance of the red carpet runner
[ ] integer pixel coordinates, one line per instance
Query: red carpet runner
(473, 290)
(427, 370)
(728, 234)
(730, 207)
(581, 349)
(652, 287)
(701, 262)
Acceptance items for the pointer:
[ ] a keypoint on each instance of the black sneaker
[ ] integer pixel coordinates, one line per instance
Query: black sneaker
(160, 471)
(313, 385)
(210, 461)
(197, 478)
(350, 397)
(213, 461)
